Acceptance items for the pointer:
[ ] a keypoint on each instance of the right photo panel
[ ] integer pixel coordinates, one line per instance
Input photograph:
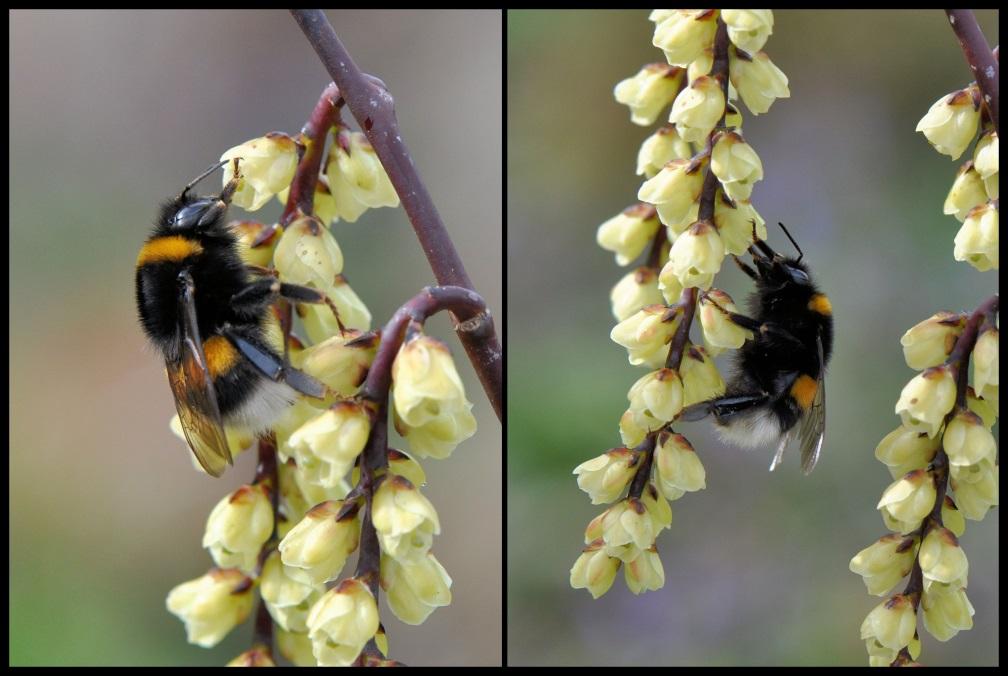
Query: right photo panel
(741, 241)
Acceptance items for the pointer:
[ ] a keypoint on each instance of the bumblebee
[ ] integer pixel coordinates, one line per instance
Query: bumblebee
(208, 313)
(776, 390)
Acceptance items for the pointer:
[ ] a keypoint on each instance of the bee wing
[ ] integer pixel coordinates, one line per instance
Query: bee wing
(195, 397)
(813, 424)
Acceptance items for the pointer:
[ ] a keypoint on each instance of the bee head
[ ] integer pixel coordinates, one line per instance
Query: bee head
(201, 214)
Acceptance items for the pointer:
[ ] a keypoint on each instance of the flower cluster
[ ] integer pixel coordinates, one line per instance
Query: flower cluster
(694, 210)
(943, 456)
(327, 486)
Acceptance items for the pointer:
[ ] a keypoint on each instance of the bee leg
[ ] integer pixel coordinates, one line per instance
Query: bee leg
(745, 268)
(752, 325)
(272, 367)
(723, 408)
(305, 294)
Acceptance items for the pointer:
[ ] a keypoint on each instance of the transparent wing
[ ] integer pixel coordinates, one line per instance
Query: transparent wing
(195, 397)
(813, 424)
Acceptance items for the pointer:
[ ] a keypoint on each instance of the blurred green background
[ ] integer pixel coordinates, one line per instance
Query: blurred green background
(112, 112)
(756, 565)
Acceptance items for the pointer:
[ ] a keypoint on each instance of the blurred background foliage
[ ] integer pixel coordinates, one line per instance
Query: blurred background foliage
(756, 565)
(112, 112)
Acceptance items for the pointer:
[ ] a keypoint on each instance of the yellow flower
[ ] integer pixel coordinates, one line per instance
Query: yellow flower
(951, 123)
(967, 192)
(636, 290)
(342, 622)
(677, 468)
(404, 519)
(952, 518)
(967, 441)
(605, 477)
(238, 527)
(907, 501)
(748, 29)
(628, 523)
(758, 81)
(977, 239)
(942, 559)
(257, 656)
(885, 562)
(736, 165)
(986, 362)
(415, 588)
(930, 342)
(308, 254)
(402, 464)
(926, 399)
(628, 233)
(333, 440)
(645, 572)
(657, 397)
(659, 149)
(267, 166)
(696, 255)
(698, 108)
(904, 450)
(646, 334)
(734, 221)
(287, 600)
(296, 647)
(212, 605)
(718, 329)
(668, 284)
(892, 623)
(675, 188)
(345, 201)
(342, 361)
(594, 570)
(316, 549)
(684, 33)
(946, 611)
(674, 227)
(255, 241)
(701, 379)
(360, 167)
(985, 155)
(649, 91)
(318, 318)
(976, 488)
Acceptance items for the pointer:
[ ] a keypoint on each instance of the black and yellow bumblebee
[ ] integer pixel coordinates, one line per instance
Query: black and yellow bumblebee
(208, 313)
(776, 390)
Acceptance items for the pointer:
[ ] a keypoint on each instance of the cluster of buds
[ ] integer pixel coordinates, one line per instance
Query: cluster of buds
(327, 485)
(694, 210)
(943, 456)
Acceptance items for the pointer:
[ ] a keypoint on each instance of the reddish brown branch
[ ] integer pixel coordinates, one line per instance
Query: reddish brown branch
(979, 57)
(301, 199)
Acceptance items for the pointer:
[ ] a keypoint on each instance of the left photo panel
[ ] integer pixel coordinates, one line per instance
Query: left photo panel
(256, 338)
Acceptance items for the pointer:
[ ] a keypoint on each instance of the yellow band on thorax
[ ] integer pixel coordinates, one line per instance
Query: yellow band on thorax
(820, 303)
(170, 248)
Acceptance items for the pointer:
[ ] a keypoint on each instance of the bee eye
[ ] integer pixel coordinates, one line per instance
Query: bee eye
(797, 275)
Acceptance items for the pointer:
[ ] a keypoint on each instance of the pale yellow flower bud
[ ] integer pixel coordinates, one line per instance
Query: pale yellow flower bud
(659, 149)
(342, 622)
(986, 361)
(942, 559)
(904, 450)
(646, 334)
(967, 192)
(736, 165)
(405, 520)
(674, 228)
(701, 65)
(892, 623)
(977, 239)
(658, 508)
(267, 166)
(334, 438)
(415, 588)
(296, 647)
(698, 109)
(908, 500)
(212, 605)
(316, 549)
(718, 329)
(926, 399)
(885, 562)
(636, 290)
(930, 342)
(287, 599)
(967, 441)
(952, 518)
(633, 427)
(342, 361)
(701, 379)
(657, 397)
(605, 477)
(675, 188)
(976, 488)
(402, 464)
(677, 467)
(431, 408)
(594, 570)
(318, 318)
(628, 233)
(684, 33)
(668, 284)
(758, 81)
(308, 254)
(253, 657)
(985, 155)
(734, 221)
(645, 572)
(748, 29)
(238, 527)
(359, 165)
(346, 201)
(952, 121)
(696, 255)
(946, 611)
(649, 91)
(325, 207)
(986, 408)
(628, 522)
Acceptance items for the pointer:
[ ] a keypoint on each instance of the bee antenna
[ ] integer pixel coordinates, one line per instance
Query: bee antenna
(214, 167)
(798, 248)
